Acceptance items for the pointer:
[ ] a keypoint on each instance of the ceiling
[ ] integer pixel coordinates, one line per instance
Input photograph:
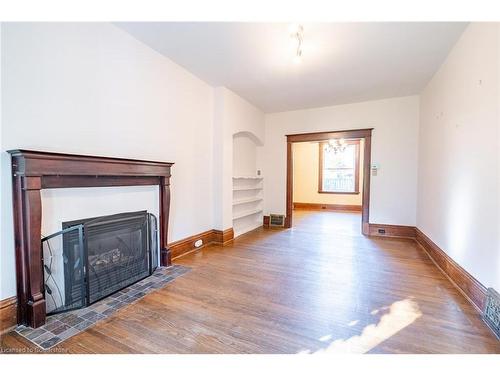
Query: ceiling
(342, 62)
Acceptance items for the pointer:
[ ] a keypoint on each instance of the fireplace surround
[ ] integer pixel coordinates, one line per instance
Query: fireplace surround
(33, 171)
(90, 259)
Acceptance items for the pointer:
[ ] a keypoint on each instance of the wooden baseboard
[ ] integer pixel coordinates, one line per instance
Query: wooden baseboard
(471, 288)
(387, 230)
(326, 207)
(265, 221)
(8, 314)
(223, 237)
(209, 237)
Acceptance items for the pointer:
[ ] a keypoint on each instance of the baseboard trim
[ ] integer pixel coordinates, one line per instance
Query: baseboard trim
(265, 221)
(326, 207)
(210, 237)
(390, 230)
(223, 237)
(472, 289)
(8, 314)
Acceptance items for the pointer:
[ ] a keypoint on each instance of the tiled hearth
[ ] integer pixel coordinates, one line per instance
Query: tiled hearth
(62, 326)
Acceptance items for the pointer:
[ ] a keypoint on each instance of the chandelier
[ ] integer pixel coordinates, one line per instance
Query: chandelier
(336, 145)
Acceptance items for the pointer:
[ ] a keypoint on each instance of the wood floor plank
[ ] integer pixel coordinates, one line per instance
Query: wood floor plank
(318, 287)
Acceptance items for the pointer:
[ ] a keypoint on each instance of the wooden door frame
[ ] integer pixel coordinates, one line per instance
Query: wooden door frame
(365, 134)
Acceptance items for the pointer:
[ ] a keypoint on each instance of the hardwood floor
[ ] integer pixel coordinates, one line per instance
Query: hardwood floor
(319, 287)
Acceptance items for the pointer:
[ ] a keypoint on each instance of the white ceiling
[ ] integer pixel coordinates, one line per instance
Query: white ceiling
(342, 62)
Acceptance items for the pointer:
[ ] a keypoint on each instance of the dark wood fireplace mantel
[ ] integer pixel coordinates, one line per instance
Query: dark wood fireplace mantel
(36, 170)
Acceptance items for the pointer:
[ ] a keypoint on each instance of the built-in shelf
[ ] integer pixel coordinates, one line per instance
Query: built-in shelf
(247, 213)
(247, 188)
(248, 177)
(247, 228)
(248, 200)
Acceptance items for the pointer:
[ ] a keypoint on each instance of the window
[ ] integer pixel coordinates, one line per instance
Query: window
(339, 172)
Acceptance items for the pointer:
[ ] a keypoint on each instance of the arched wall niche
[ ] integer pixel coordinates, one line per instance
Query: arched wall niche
(245, 145)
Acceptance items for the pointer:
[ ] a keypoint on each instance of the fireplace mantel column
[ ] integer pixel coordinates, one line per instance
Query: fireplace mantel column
(165, 254)
(29, 249)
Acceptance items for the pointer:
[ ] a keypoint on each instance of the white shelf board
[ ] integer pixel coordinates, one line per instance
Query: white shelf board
(248, 177)
(248, 200)
(247, 213)
(247, 188)
(239, 231)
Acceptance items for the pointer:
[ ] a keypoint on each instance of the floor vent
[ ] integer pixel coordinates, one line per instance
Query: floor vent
(276, 220)
(492, 311)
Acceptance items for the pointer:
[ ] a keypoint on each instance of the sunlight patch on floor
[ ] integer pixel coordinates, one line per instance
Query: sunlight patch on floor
(400, 315)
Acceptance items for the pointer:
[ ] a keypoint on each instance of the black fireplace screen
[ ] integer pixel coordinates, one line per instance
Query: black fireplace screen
(93, 258)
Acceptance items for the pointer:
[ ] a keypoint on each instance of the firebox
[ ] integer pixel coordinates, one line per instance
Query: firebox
(92, 258)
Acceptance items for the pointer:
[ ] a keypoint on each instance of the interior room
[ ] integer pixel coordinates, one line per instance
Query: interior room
(250, 187)
(328, 182)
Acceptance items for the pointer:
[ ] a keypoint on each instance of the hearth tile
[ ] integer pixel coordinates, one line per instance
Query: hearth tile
(83, 325)
(56, 327)
(113, 303)
(95, 318)
(108, 312)
(89, 315)
(61, 326)
(60, 329)
(72, 320)
(46, 336)
(51, 342)
(67, 317)
(23, 330)
(139, 295)
(68, 333)
(101, 308)
(35, 333)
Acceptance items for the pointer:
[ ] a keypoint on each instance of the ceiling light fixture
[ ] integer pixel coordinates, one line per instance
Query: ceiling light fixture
(297, 32)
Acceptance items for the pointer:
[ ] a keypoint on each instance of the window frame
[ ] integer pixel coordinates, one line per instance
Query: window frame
(356, 143)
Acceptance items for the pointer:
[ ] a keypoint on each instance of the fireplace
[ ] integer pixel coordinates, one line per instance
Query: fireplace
(33, 171)
(95, 257)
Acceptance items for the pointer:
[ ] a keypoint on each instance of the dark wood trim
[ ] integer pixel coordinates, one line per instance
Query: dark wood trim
(223, 237)
(36, 170)
(365, 134)
(325, 136)
(389, 230)
(326, 207)
(289, 184)
(8, 314)
(210, 237)
(472, 289)
(266, 219)
(321, 145)
(51, 182)
(186, 245)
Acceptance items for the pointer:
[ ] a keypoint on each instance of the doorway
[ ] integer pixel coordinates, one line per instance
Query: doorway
(360, 134)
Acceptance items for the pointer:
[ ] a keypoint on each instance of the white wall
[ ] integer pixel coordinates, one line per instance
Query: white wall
(233, 115)
(394, 148)
(458, 199)
(306, 175)
(244, 155)
(91, 88)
